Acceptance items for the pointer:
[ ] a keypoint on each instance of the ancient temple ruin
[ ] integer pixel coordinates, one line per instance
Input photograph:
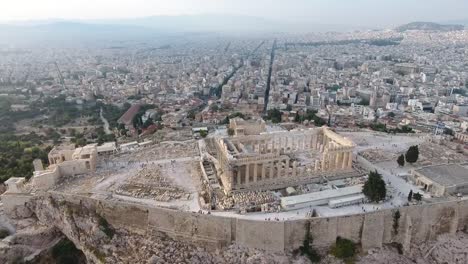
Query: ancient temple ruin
(281, 159)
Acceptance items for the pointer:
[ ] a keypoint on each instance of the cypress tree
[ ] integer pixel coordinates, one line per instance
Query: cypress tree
(374, 188)
(412, 154)
(401, 160)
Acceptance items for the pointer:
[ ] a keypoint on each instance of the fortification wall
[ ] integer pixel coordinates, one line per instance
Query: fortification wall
(415, 224)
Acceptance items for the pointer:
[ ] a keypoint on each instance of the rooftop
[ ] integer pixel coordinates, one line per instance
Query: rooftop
(127, 118)
(322, 195)
(447, 174)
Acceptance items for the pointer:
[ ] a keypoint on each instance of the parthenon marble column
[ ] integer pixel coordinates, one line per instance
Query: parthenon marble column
(294, 169)
(263, 170)
(278, 168)
(317, 165)
(247, 173)
(331, 161)
(338, 160)
(344, 162)
(255, 172)
(350, 160)
(272, 166)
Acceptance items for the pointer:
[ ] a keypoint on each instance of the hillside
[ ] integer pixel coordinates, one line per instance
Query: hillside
(428, 26)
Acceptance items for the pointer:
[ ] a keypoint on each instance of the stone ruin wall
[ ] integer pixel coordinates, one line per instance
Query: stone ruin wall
(416, 224)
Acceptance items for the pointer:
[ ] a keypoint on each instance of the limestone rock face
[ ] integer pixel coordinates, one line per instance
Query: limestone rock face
(83, 222)
(103, 243)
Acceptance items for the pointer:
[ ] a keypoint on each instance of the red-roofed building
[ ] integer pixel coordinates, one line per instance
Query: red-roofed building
(127, 118)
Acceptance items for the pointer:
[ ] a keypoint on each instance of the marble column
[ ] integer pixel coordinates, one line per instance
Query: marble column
(255, 172)
(263, 171)
(344, 161)
(317, 165)
(331, 161)
(338, 160)
(239, 174)
(270, 167)
(350, 160)
(278, 167)
(247, 173)
(294, 169)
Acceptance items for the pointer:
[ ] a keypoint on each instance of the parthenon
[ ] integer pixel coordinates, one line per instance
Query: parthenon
(280, 159)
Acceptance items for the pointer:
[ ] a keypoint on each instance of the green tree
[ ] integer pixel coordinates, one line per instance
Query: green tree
(274, 115)
(191, 114)
(214, 108)
(374, 188)
(306, 249)
(203, 133)
(298, 118)
(410, 196)
(417, 196)
(401, 160)
(396, 218)
(412, 154)
(344, 249)
(230, 132)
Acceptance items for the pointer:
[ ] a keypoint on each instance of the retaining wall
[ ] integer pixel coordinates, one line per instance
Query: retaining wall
(416, 224)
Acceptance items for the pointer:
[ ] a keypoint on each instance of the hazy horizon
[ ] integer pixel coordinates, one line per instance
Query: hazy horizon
(382, 13)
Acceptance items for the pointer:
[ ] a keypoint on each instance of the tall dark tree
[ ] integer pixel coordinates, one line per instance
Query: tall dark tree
(412, 154)
(410, 196)
(374, 188)
(417, 196)
(401, 160)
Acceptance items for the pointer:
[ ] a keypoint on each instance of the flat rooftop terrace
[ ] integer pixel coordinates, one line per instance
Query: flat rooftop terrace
(446, 174)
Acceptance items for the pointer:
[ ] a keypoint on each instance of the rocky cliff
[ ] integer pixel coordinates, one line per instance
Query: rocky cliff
(112, 232)
(102, 242)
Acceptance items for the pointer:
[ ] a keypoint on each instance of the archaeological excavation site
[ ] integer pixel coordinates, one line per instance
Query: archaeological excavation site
(260, 194)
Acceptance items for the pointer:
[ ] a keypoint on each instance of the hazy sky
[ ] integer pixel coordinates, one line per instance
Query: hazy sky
(356, 12)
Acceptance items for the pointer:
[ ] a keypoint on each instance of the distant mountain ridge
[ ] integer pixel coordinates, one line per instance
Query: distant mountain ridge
(429, 26)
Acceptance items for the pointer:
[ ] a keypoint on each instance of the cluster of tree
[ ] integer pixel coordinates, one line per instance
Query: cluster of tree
(79, 140)
(135, 97)
(102, 137)
(214, 108)
(233, 115)
(333, 88)
(138, 118)
(384, 42)
(344, 249)
(274, 115)
(66, 252)
(383, 128)
(460, 91)
(310, 115)
(364, 101)
(411, 156)
(61, 112)
(416, 196)
(112, 112)
(17, 154)
(375, 188)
